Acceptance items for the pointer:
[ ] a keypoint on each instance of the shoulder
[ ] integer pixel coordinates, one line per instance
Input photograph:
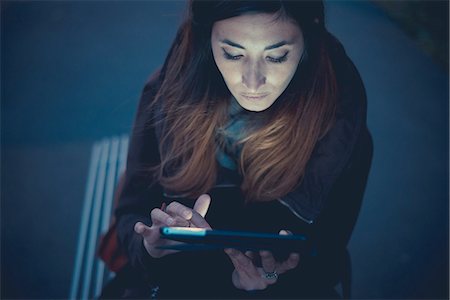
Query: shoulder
(349, 81)
(145, 109)
(151, 87)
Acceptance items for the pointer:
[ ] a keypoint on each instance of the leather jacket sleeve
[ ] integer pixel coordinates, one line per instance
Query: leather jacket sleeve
(139, 196)
(334, 151)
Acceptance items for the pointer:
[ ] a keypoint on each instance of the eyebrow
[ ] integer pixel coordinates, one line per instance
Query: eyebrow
(274, 46)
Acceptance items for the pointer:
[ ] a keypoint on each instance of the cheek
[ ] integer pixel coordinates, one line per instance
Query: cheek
(280, 77)
(230, 72)
(283, 73)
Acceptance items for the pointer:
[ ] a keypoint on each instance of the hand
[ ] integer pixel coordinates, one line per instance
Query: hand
(247, 276)
(175, 214)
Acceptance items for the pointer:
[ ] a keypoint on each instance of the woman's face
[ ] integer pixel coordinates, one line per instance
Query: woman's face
(257, 55)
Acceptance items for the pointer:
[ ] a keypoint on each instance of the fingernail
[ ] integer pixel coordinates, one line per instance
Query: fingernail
(186, 214)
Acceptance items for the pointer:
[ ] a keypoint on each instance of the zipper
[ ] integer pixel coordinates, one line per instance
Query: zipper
(296, 213)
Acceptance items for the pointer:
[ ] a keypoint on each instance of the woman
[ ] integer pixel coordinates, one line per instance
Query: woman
(255, 122)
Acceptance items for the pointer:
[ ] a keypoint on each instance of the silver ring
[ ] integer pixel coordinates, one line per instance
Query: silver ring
(270, 275)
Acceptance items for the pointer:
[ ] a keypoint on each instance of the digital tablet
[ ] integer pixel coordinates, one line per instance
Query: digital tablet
(204, 239)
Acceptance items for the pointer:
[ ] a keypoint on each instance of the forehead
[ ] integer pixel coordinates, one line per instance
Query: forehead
(254, 28)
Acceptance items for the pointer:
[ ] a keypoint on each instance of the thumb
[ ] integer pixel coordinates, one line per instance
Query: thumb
(285, 232)
(202, 204)
(142, 229)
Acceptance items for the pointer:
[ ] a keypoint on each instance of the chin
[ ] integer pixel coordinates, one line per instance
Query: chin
(254, 106)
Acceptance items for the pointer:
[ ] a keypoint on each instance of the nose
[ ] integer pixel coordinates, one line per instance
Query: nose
(253, 77)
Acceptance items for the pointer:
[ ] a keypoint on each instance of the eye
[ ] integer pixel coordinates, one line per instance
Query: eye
(278, 60)
(231, 57)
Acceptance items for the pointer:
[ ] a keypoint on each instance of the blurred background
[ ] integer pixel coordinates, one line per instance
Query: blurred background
(72, 72)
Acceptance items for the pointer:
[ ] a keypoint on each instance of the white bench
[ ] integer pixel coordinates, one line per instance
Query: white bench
(107, 163)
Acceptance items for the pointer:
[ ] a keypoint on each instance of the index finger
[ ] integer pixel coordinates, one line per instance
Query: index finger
(202, 204)
(178, 209)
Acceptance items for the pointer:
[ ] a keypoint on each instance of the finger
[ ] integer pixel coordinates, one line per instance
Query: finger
(140, 228)
(249, 275)
(180, 222)
(241, 262)
(267, 261)
(250, 255)
(202, 204)
(145, 231)
(285, 232)
(178, 209)
(198, 221)
(160, 217)
(290, 263)
(292, 260)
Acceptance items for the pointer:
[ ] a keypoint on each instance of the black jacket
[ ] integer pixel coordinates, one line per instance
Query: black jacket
(324, 207)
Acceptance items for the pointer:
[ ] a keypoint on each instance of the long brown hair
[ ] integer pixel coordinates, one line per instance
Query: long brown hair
(192, 103)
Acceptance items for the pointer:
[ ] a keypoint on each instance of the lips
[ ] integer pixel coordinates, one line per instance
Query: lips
(255, 96)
